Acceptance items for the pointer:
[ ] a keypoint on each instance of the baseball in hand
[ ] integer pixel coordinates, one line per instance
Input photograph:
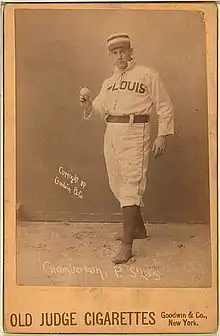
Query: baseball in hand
(85, 92)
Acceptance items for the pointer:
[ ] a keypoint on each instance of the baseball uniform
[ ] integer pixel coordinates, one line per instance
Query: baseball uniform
(134, 91)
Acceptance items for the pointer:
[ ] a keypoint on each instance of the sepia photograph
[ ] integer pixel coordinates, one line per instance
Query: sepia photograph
(112, 148)
(110, 142)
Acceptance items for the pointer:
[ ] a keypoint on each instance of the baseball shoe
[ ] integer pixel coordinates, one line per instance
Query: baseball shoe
(124, 254)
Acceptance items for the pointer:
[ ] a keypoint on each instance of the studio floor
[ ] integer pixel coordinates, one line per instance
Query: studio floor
(79, 254)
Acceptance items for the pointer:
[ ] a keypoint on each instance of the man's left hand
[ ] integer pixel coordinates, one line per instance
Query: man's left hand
(159, 146)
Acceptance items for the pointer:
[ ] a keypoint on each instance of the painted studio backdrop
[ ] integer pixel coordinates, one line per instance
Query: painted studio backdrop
(60, 51)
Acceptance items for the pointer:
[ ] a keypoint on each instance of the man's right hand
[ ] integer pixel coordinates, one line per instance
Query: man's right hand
(85, 100)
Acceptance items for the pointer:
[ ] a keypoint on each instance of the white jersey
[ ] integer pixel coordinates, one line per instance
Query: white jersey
(134, 92)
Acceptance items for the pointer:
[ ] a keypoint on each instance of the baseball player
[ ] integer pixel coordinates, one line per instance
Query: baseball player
(126, 101)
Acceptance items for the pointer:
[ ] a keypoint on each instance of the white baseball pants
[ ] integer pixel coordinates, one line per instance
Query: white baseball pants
(126, 151)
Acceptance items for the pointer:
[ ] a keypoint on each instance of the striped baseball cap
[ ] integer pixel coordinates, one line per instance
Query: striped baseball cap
(118, 40)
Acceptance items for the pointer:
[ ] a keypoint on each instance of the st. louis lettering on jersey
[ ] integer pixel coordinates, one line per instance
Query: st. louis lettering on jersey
(128, 86)
(135, 91)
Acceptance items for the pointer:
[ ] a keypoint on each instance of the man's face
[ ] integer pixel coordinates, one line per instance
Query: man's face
(121, 56)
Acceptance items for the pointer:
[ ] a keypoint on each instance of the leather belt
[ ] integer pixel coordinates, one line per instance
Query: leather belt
(127, 119)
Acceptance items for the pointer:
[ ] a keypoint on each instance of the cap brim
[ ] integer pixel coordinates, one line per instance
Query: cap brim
(118, 44)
